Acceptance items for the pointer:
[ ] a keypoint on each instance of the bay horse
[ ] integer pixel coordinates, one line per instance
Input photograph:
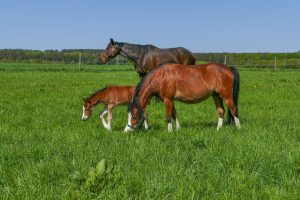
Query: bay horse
(188, 84)
(111, 96)
(146, 57)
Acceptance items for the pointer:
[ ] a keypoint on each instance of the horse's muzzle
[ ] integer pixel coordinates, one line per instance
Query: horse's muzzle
(103, 58)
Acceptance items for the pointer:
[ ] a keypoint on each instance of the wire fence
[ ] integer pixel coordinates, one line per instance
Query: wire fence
(258, 60)
(120, 67)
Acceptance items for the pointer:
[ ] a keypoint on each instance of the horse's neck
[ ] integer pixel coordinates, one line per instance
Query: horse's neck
(145, 96)
(131, 51)
(96, 98)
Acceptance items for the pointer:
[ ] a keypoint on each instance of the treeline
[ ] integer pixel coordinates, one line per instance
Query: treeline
(68, 56)
(90, 56)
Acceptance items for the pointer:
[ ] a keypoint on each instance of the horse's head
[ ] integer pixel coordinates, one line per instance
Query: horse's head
(88, 109)
(111, 51)
(135, 118)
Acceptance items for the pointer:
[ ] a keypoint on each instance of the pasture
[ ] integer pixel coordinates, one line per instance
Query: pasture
(48, 152)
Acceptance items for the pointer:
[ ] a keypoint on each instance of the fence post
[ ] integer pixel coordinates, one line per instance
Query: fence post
(275, 63)
(79, 61)
(225, 59)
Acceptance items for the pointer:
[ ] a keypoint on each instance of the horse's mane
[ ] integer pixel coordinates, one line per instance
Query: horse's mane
(139, 47)
(135, 98)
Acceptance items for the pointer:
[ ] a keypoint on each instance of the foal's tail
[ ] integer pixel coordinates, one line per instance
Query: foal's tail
(236, 89)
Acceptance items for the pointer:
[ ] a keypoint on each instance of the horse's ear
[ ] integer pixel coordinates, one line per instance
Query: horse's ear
(112, 41)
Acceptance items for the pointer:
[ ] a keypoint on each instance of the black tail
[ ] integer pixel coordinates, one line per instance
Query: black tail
(236, 89)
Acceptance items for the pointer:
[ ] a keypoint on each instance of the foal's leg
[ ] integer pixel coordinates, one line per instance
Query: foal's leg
(220, 109)
(233, 109)
(169, 112)
(174, 114)
(101, 115)
(109, 115)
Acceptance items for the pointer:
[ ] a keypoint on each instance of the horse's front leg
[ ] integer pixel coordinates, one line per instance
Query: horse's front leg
(146, 121)
(109, 115)
(169, 112)
(101, 115)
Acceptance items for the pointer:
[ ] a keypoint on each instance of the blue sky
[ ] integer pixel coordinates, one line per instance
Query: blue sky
(198, 25)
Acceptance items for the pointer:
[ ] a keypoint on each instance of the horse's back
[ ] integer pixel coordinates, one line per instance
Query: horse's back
(193, 83)
(159, 56)
(118, 94)
(179, 55)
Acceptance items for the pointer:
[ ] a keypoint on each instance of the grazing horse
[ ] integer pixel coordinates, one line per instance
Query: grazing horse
(146, 57)
(188, 84)
(111, 96)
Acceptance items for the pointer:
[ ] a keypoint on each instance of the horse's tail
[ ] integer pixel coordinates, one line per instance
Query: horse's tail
(236, 89)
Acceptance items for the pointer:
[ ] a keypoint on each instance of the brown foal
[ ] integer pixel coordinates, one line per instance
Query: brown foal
(111, 96)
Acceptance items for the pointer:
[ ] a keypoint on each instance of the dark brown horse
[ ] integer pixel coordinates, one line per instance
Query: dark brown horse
(146, 57)
(111, 96)
(188, 84)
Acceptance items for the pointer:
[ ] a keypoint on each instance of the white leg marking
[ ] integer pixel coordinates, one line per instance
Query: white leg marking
(109, 118)
(127, 128)
(170, 126)
(220, 123)
(84, 117)
(102, 118)
(237, 122)
(177, 124)
(146, 124)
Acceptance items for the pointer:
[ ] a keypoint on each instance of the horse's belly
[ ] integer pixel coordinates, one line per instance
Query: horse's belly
(191, 97)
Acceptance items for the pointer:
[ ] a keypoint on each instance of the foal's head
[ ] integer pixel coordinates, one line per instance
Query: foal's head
(111, 51)
(88, 109)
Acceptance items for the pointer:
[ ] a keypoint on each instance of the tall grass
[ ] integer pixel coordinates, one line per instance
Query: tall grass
(47, 152)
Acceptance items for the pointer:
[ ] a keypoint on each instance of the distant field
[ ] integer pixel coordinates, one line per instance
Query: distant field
(63, 67)
(46, 151)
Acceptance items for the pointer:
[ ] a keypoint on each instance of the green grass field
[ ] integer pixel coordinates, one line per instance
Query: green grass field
(47, 152)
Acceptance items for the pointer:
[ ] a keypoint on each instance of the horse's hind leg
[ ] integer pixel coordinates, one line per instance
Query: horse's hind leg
(174, 115)
(234, 111)
(220, 109)
(169, 112)
(101, 115)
